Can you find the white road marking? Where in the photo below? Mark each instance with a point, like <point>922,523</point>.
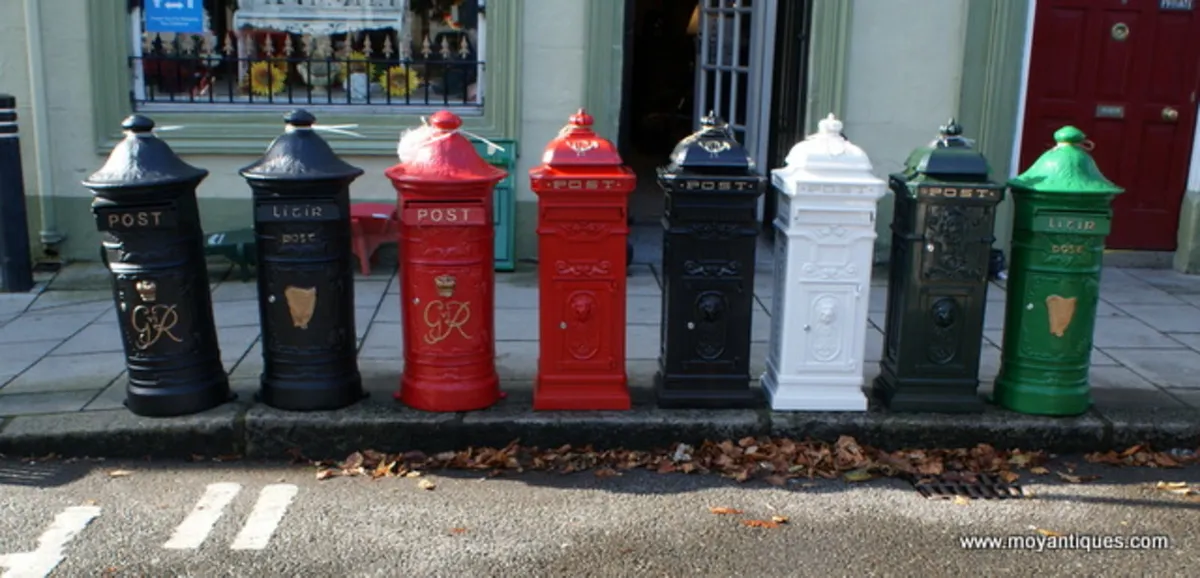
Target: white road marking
<point>194,529</point>
<point>272,504</point>
<point>49,553</point>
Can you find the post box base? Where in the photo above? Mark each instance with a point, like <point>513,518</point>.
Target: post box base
<point>705,392</point>
<point>443,396</point>
<point>1057,400</point>
<point>581,394</point>
<point>177,401</point>
<point>808,393</point>
<point>959,395</point>
<point>294,395</point>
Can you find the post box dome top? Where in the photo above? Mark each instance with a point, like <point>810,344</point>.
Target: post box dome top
<point>827,153</point>
<point>142,160</point>
<point>711,147</point>
<point>300,154</point>
<point>950,157</point>
<point>578,145</point>
<point>438,153</point>
<point>1066,168</point>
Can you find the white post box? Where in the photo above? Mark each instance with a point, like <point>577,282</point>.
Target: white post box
<point>824,252</point>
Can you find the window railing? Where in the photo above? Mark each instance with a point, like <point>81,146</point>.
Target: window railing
<point>286,69</point>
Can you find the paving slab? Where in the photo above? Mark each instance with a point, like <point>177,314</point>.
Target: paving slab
<point>39,403</point>
<point>1114,333</point>
<point>236,313</point>
<point>1181,318</point>
<point>1166,368</point>
<point>43,326</point>
<point>86,371</point>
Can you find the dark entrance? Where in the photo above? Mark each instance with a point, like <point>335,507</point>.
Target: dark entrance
<point>656,111</point>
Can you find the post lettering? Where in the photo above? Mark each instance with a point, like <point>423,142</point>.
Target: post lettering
<point>290,212</point>
<point>444,215</point>
<point>1068,249</point>
<point>135,219</point>
<point>297,238</point>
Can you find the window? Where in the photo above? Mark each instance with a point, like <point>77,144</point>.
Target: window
<point>343,55</point>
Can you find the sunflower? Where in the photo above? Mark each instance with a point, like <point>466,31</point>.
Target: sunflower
<point>266,78</point>
<point>400,80</point>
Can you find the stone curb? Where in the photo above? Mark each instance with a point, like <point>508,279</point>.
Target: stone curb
<point>259,432</point>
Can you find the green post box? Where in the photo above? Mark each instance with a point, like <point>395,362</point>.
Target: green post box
<point>1063,214</point>
<point>942,234</point>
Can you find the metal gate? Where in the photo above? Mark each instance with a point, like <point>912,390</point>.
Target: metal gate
<point>735,53</point>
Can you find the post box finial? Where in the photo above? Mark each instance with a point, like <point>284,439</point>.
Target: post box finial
<point>951,128</point>
<point>830,125</point>
<point>581,118</point>
<point>445,120</point>
<point>300,118</point>
<point>1069,135</point>
<point>138,124</point>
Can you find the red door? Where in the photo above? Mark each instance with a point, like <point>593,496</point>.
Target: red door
<point>1125,72</point>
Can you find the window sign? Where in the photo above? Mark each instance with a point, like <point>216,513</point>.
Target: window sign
<point>1180,5</point>
<point>179,16</point>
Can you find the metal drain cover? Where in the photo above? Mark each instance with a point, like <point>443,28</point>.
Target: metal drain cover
<point>984,487</point>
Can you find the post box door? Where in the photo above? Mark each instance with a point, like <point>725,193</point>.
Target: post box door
<point>583,319</point>
<point>826,340</point>
<point>957,243</point>
<point>1059,316</point>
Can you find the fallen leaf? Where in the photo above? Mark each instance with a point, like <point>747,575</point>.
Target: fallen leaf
<point>1048,533</point>
<point>426,484</point>
<point>1131,451</point>
<point>1073,479</point>
<point>779,519</point>
<point>119,473</point>
<point>777,481</point>
<point>760,523</point>
<point>89,502</point>
<point>859,475</point>
<point>1009,477</point>
<point>1180,488</point>
<point>724,510</point>
<point>458,530</point>
<point>326,473</point>
<point>607,473</point>
<point>1039,471</point>
<point>413,474</point>
<point>960,500</point>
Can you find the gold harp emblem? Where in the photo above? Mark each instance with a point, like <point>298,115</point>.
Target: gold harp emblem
<point>1061,310</point>
<point>301,302</point>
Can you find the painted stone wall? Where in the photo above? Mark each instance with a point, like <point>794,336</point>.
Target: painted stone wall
<point>903,75</point>
<point>553,69</point>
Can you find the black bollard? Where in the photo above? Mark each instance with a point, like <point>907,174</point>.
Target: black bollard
<point>16,269</point>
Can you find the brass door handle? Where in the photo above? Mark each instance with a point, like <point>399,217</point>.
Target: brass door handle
<point>1169,114</point>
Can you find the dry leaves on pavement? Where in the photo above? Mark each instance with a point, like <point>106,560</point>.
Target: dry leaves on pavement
<point>775,461</point>
<point>724,511</point>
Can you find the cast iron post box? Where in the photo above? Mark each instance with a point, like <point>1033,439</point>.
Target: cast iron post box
<point>145,207</point>
<point>583,194</point>
<point>710,230</point>
<point>937,290</point>
<point>1063,214</point>
<point>824,249</point>
<point>306,277</point>
<point>447,296</point>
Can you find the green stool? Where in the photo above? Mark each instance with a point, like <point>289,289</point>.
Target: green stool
<point>236,245</point>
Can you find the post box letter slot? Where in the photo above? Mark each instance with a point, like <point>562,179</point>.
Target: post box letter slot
<point>137,218</point>
<point>1073,223</point>
<point>444,214</point>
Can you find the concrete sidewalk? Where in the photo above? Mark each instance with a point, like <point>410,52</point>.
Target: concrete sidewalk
<point>62,376</point>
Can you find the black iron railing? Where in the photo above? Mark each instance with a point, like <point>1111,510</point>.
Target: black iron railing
<point>179,73</point>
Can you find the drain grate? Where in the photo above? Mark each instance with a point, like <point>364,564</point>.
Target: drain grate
<point>984,487</point>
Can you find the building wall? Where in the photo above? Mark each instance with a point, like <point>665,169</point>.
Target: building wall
<point>14,80</point>
<point>903,76</point>
<point>553,70</point>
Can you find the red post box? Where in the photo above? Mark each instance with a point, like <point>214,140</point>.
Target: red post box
<point>583,193</point>
<point>444,190</point>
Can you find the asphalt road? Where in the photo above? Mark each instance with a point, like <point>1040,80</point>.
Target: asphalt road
<point>77,519</point>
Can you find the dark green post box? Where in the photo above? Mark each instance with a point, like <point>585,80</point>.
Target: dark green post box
<point>710,229</point>
<point>937,291</point>
<point>1063,214</point>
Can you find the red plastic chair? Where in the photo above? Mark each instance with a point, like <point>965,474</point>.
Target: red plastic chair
<point>372,225</point>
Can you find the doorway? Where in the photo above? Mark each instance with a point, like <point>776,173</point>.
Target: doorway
<point>1125,72</point>
<point>656,112</point>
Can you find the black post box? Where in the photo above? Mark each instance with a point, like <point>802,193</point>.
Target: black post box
<point>145,207</point>
<point>305,271</point>
<point>710,232</point>
<point>941,241</point>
